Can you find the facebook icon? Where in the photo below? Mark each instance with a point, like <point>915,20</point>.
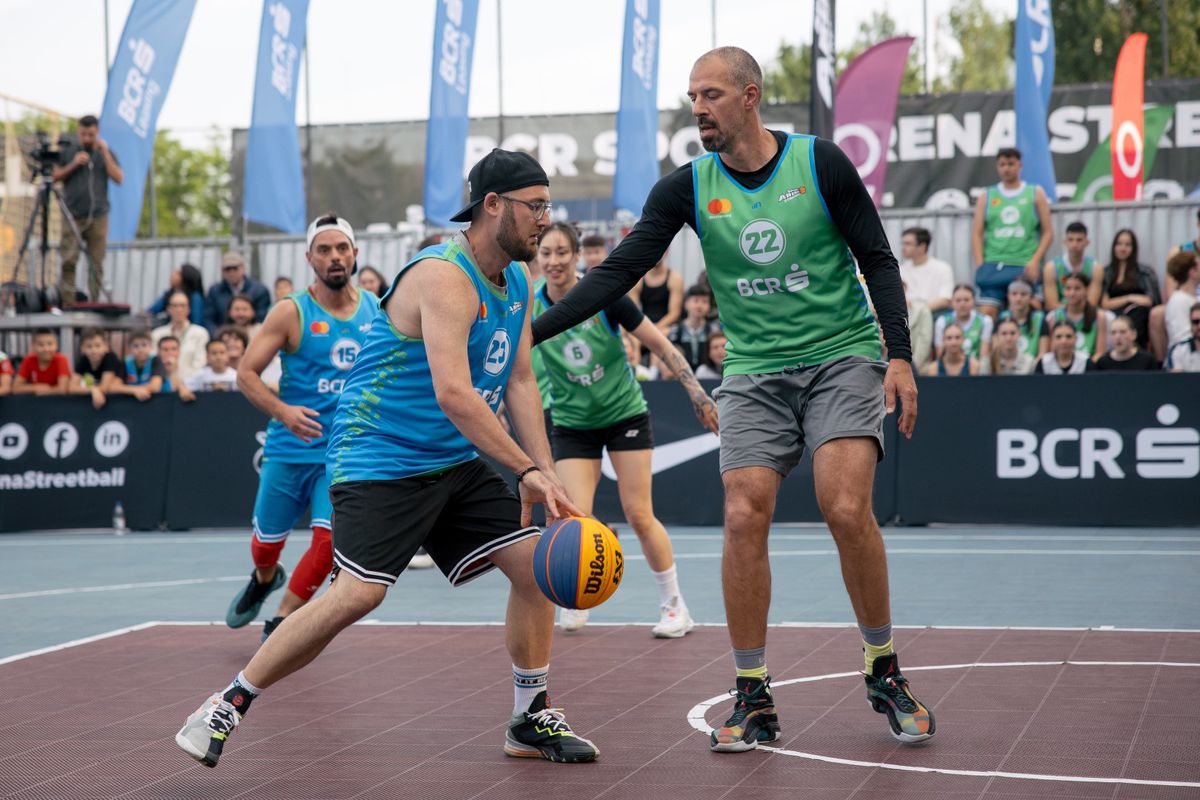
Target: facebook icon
<point>60,440</point>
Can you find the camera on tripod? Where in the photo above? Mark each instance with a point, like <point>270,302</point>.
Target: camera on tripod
<point>45,153</point>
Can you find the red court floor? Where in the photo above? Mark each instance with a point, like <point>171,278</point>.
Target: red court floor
<point>418,712</point>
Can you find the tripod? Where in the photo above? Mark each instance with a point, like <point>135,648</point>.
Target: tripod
<point>41,209</point>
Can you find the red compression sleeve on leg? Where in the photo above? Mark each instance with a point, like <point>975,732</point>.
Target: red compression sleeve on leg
<point>314,566</point>
<point>265,554</point>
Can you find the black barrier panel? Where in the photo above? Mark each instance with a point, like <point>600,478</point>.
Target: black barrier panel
<point>1100,449</point>
<point>216,450</point>
<point>687,479</point>
<point>63,464</point>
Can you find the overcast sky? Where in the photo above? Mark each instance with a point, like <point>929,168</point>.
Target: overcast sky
<point>370,59</point>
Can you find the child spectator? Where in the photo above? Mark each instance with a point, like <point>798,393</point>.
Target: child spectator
<point>45,370</point>
<point>1007,356</point>
<point>97,370</point>
<point>595,249</point>
<point>192,337</point>
<point>954,360</point>
<point>1073,261</point>
<point>1063,358</point>
<point>241,315</point>
<point>713,367</point>
<point>173,381</point>
<point>1090,322</point>
<point>1125,354</point>
<point>142,369</point>
<point>236,341</point>
<point>1184,269</point>
<point>6,374</point>
<point>217,376</point>
<point>690,335</point>
<point>1130,288</point>
<point>1031,322</point>
<point>1184,356</point>
<point>283,287</point>
<point>976,328</point>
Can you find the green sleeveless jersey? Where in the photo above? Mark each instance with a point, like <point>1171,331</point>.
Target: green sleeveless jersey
<point>1011,229</point>
<point>535,358</point>
<point>1062,269</point>
<point>1031,331</point>
<point>1084,342</point>
<point>972,334</point>
<point>786,288</point>
<point>587,373</point>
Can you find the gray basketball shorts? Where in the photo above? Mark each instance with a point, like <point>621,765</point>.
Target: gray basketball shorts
<point>767,420</point>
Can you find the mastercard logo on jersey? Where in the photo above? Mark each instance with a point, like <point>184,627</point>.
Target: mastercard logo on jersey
<point>319,328</point>
<point>720,206</point>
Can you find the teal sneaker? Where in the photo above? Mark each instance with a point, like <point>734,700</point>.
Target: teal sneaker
<point>249,600</point>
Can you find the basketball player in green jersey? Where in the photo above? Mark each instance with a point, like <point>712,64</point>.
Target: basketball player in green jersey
<point>779,217</point>
<point>1073,261</point>
<point>1010,233</point>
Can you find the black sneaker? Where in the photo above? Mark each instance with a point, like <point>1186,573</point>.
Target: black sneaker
<point>889,694</point>
<point>249,600</point>
<point>754,719</point>
<point>270,625</point>
<point>543,732</point>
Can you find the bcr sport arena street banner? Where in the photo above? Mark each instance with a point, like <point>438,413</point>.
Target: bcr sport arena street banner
<point>1110,449</point>
<point>941,148</point>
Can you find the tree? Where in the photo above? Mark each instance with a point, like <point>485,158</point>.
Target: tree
<point>788,79</point>
<point>986,44</point>
<point>879,27</point>
<point>192,189</point>
<point>1091,57</point>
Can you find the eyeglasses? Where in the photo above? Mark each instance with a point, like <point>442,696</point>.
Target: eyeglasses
<point>1196,322</point>
<point>538,207</point>
<point>228,267</point>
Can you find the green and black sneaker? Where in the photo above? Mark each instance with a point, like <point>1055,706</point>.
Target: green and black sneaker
<point>543,732</point>
<point>754,719</point>
<point>249,601</point>
<point>888,691</point>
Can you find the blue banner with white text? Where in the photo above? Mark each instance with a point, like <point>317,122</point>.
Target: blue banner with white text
<point>137,87</point>
<point>274,175</point>
<point>1035,78</point>
<point>637,118</point>
<point>449,95</point>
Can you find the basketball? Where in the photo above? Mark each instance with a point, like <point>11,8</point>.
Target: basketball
<point>578,563</point>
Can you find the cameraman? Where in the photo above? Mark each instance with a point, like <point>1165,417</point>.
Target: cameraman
<point>84,168</point>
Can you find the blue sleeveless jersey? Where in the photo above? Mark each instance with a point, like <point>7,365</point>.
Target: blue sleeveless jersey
<point>315,372</point>
<point>388,423</point>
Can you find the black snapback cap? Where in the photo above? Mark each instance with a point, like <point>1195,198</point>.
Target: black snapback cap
<point>500,171</point>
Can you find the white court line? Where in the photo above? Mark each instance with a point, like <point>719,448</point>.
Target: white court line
<point>76,642</point>
<point>118,587</point>
<point>941,551</point>
<point>695,718</point>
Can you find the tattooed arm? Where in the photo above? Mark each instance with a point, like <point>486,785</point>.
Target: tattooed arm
<point>702,404</point>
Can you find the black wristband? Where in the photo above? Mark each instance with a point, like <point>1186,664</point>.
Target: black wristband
<point>521,475</point>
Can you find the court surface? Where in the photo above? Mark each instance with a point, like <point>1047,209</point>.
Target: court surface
<point>1059,662</point>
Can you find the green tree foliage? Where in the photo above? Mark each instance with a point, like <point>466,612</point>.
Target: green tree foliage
<point>985,42</point>
<point>882,26</point>
<point>1091,56</point>
<point>788,78</point>
<point>192,189</point>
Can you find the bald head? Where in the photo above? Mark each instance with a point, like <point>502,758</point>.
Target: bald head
<point>741,67</point>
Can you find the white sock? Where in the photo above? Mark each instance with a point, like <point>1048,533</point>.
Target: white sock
<point>668,586</point>
<point>527,683</point>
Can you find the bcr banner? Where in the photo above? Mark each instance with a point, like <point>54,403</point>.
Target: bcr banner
<point>449,97</point>
<point>637,118</point>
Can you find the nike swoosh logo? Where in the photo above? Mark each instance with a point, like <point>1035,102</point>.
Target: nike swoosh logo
<point>672,454</point>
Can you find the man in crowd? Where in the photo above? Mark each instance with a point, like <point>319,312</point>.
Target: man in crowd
<point>1010,233</point>
<point>1073,261</point>
<point>778,215</point>
<point>85,167</point>
<point>234,281</point>
<point>1184,356</point>
<point>690,334</point>
<point>926,279</point>
<point>45,370</point>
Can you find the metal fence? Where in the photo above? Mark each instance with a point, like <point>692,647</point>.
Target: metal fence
<point>139,271</point>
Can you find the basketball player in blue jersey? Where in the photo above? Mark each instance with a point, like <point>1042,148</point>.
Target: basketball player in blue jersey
<point>317,334</point>
<point>452,342</point>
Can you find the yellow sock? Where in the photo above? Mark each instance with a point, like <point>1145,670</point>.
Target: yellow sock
<point>758,673</point>
<point>872,652</point>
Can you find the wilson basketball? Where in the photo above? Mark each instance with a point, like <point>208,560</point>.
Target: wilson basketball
<point>578,563</point>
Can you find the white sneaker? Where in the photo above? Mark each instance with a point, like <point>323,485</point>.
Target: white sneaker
<point>204,734</point>
<point>674,622</point>
<point>421,560</point>
<point>572,619</point>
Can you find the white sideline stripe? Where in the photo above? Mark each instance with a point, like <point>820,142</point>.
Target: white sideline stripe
<point>940,551</point>
<point>76,642</point>
<point>695,718</point>
<point>117,587</point>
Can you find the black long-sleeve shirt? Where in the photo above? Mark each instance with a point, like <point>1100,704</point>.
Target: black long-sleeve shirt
<point>671,205</point>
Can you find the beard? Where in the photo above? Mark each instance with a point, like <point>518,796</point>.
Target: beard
<point>718,141</point>
<point>516,247</point>
<point>336,282</point>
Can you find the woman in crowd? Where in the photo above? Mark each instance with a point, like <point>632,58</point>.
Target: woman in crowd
<point>372,280</point>
<point>1125,354</point>
<point>1130,287</point>
<point>1007,356</point>
<point>184,278</point>
<point>954,360</point>
<point>598,405</point>
<point>1064,358</point>
<point>192,338</point>
<point>1090,322</point>
<point>660,294</point>
<point>1034,339</point>
<point>713,366</point>
<point>976,328</point>
<point>241,315</point>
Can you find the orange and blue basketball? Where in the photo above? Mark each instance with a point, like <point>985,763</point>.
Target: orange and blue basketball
<point>578,563</point>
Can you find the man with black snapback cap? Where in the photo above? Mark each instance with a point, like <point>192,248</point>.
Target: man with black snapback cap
<point>404,468</point>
